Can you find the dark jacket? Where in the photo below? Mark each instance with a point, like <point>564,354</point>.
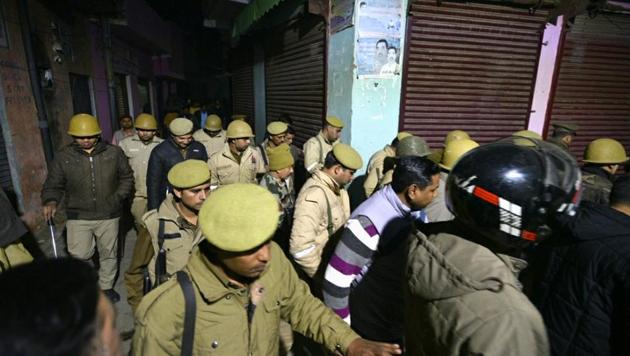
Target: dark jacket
<point>11,227</point>
<point>163,157</point>
<point>94,184</point>
<point>583,289</point>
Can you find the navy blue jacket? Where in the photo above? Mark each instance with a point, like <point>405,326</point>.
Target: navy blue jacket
<point>163,157</point>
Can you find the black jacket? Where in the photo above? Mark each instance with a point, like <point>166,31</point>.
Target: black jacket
<point>163,157</point>
<point>94,184</point>
<point>583,289</point>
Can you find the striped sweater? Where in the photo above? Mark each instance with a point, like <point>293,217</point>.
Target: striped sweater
<point>383,213</point>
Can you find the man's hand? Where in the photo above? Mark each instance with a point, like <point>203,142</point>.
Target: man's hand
<point>363,347</point>
<point>49,210</point>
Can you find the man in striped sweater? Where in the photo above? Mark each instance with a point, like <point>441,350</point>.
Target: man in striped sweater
<point>364,277</point>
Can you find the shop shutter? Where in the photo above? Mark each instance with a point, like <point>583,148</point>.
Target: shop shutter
<point>469,66</point>
<point>295,77</point>
<point>5,169</point>
<point>243,82</point>
<point>593,85</point>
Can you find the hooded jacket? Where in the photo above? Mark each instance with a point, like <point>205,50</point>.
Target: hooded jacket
<point>463,299</point>
<point>583,291</point>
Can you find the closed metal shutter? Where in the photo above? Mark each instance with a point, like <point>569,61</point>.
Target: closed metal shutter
<point>593,85</point>
<point>5,169</point>
<point>295,77</point>
<point>243,82</point>
<point>470,67</point>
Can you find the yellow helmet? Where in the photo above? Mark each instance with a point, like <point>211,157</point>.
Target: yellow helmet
<point>456,135</point>
<point>83,125</point>
<point>213,123</point>
<point>239,129</point>
<point>454,150</point>
<point>239,117</point>
<point>605,151</point>
<point>146,122</point>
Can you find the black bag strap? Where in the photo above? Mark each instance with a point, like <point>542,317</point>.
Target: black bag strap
<point>263,153</point>
<point>160,233</point>
<point>160,263</point>
<point>190,305</point>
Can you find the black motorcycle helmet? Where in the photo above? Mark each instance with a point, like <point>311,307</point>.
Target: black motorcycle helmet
<point>509,191</point>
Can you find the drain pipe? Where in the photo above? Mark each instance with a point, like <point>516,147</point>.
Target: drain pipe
<point>109,71</point>
<point>42,118</point>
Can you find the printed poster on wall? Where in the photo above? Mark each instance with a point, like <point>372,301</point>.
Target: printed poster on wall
<point>378,24</point>
<point>341,11</point>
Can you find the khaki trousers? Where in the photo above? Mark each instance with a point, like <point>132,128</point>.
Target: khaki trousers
<point>138,209</point>
<point>86,235</point>
<point>13,255</point>
<point>134,277</point>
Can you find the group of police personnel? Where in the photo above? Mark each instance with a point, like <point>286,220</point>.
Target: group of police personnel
<point>235,251</point>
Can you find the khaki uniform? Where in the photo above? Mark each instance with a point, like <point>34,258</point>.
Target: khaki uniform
<point>212,144</point>
<point>310,219</point>
<point>375,171</point>
<point>315,151</point>
<point>138,154</point>
<point>221,324</point>
<point>135,274</point>
<point>180,237</point>
<point>436,210</point>
<point>263,148</point>
<point>226,169</point>
<point>463,299</point>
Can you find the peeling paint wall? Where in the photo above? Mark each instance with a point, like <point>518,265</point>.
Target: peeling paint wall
<point>340,78</point>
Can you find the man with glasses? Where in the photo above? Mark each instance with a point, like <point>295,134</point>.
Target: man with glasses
<point>322,208</point>
<point>94,177</point>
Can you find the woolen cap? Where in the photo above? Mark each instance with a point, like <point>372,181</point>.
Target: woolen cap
<point>189,173</point>
<point>277,128</point>
<point>347,156</point>
<point>180,126</point>
<point>334,121</point>
<point>280,157</point>
<point>239,217</point>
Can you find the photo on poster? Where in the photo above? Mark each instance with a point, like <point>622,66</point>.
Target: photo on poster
<point>378,24</point>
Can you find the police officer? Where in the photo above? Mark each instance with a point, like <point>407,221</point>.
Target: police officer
<point>173,225</point>
<point>277,182</point>
<point>138,150</point>
<point>317,147</point>
<point>237,162</point>
<point>179,146</point>
<point>276,134</point>
<point>601,161</point>
<point>212,136</point>
<point>436,210</point>
<point>452,135</point>
<point>241,286</point>
<point>95,179</point>
<point>463,288</point>
<point>562,135</point>
<point>375,171</point>
<point>322,207</point>
<point>408,146</point>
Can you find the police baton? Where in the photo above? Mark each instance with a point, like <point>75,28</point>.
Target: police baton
<point>51,228</point>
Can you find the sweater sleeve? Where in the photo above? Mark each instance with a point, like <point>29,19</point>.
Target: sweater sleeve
<point>125,176</point>
<point>154,176</point>
<point>353,255</point>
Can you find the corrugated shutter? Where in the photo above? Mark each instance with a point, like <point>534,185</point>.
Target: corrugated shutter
<point>243,82</point>
<point>593,85</point>
<point>295,75</point>
<point>469,66</point>
<point>5,169</point>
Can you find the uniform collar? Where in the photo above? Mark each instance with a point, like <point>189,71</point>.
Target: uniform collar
<point>228,154</point>
<point>323,138</point>
<point>168,211</point>
<point>327,180</point>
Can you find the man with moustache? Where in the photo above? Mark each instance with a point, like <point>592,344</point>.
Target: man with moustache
<point>95,179</point>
